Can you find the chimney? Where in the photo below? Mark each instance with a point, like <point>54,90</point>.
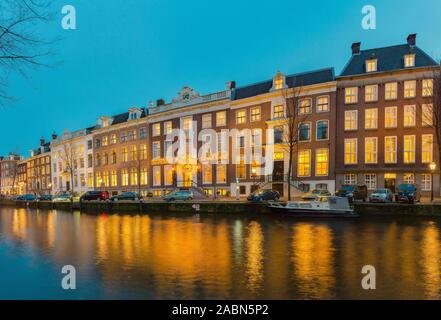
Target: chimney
<point>41,141</point>
<point>231,85</point>
<point>356,47</point>
<point>160,102</point>
<point>54,136</point>
<point>411,39</point>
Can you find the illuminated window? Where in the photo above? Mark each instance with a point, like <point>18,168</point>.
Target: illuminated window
<point>241,117</point>
<point>371,65</point>
<point>391,91</point>
<point>304,163</point>
<point>157,176</point>
<point>156,150</point>
<point>125,155</point>
<point>426,148</point>
<point>351,120</point>
<point>105,141</point>
<point>113,179</point>
<point>221,118</point>
<point>390,149</point>
<point>410,89</point>
<point>371,118</point>
<point>427,115</point>
<point>142,133</point>
<point>241,170</point>
<point>370,179</point>
<point>322,104</point>
<point>350,178</point>
<point>305,131</point>
<point>156,129</point>
<point>207,174</point>
<point>278,112</point>
<point>322,130</point>
<point>409,149</point>
<point>350,151</point>
<point>370,150</point>
<point>427,87</point>
<point>409,60</point>
<point>206,121</point>
<point>371,93</point>
<point>305,106</point>
<point>409,178</point>
<point>134,153</point>
<point>351,95</point>
<point>279,155</point>
<point>278,83</point>
<point>255,114</point>
<point>168,127</point>
<point>144,176</point>
<point>390,117</point>
<point>168,175</point>
<point>409,116</point>
<point>278,134</point>
<point>187,123</point>
<point>168,150</point>
<point>426,182</point>
<point>221,173</point>
<point>90,180</point>
<point>321,162</point>
<point>142,152</point>
<point>134,176</point>
<point>124,177</point>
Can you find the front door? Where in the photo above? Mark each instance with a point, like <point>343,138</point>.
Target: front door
<point>389,183</point>
<point>278,171</point>
<point>67,185</point>
<point>188,177</point>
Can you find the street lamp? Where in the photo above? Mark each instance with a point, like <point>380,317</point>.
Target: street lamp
<point>432,167</point>
<point>253,173</point>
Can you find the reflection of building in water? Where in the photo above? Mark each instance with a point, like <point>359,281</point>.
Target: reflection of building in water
<point>431,259</point>
<point>254,256</point>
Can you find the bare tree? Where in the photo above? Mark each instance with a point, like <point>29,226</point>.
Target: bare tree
<point>295,116</point>
<point>21,47</point>
<point>69,158</point>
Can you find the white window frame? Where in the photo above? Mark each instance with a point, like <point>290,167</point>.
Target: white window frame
<point>347,112</point>
<point>328,104</point>
<point>374,93</point>
<point>408,89</point>
<point>391,94</point>
<point>423,151</point>
<point>353,96</point>
<point>413,149</point>
<point>375,119</point>
<point>375,150</point>
<point>407,108</point>
<point>395,152</point>
<point>316,130</point>
<point>347,140</point>
<point>370,180</point>
<point>386,109</point>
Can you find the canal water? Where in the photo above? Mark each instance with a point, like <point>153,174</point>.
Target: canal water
<point>166,256</point>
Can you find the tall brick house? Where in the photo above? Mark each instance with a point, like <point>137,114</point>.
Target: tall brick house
<point>383,116</point>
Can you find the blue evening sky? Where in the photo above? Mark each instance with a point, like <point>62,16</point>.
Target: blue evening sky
<point>127,52</point>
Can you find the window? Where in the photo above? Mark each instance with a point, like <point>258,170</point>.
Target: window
<point>157,176</point>
<point>391,91</point>
<point>350,178</point>
<point>305,106</point>
<point>241,117</point>
<point>390,149</point>
<point>142,133</point>
<point>321,162</point>
<point>371,65</point>
<point>304,163</point>
<point>370,180</point>
<point>124,177</point>
<point>304,132</point>
<point>132,135</point>
<point>168,175</point>
<point>97,159</point>
<point>134,153</point>
<point>156,129</point>
<point>390,117</point>
<point>206,121</point>
<point>409,178</point>
<point>105,141</point>
<point>322,130</point>
<point>350,151</point>
<point>113,139</point>
<point>207,174</point>
<point>221,118</point>
<point>371,118</point>
<point>125,155</point>
<point>278,134</point>
<point>409,116</point>
<point>427,87</point>
<point>142,152</point>
<point>426,182</point>
<point>409,149</point>
<point>351,95</point>
<point>255,114</point>
<point>97,143</point>
<point>278,112</point>
<point>143,177</point>
<point>168,127</point>
<point>426,148</point>
<point>410,89</point>
<point>187,123</point>
<point>426,115</point>
<point>89,161</point>
<point>113,159</point>
<point>409,60</point>
<point>168,148</point>
<point>371,93</point>
<point>351,121</point>
<point>89,144</point>
<point>156,151</point>
<point>113,179</point>
<point>241,170</point>
<point>322,104</point>
<point>123,137</point>
<point>221,173</point>
<point>278,83</point>
<point>370,150</point>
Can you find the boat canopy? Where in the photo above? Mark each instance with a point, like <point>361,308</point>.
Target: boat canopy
<point>336,202</point>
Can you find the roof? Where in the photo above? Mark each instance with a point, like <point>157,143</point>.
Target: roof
<point>123,117</point>
<point>294,80</point>
<point>388,59</point>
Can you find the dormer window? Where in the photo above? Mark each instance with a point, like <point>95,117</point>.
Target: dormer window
<point>409,60</point>
<point>104,121</point>
<point>134,113</point>
<point>279,81</point>
<point>371,65</point>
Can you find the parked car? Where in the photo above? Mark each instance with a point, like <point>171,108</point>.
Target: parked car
<point>62,197</point>
<point>353,192</point>
<point>179,195</point>
<point>264,195</point>
<point>315,193</point>
<point>126,196</point>
<point>27,197</point>
<point>381,195</point>
<point>45,197</point>
<point>407,193</point>
<point>96,195</point>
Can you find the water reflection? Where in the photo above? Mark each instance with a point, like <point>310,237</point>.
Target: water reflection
<point>219,257</point>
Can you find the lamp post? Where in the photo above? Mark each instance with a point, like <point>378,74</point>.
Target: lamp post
<point>253,173</point>
<point>432,167</point>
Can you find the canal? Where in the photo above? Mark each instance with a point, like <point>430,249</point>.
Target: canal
<point>166,256</point>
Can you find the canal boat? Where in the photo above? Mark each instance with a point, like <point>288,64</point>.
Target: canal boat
<point>322,207</point>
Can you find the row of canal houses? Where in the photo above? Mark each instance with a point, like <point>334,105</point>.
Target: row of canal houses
<point>369,125</point>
